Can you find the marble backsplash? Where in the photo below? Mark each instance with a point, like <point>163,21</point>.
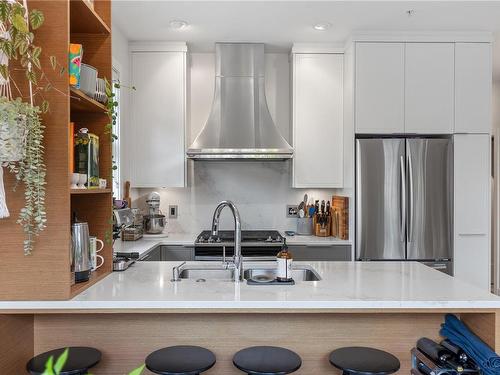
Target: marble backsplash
<point>260,190</point>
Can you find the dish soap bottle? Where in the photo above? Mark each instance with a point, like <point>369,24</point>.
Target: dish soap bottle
<point>284,259</point>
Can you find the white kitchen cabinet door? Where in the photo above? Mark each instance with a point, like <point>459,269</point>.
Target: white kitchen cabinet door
<point>429,88</point>
<point>473,80</point>
<point>158,119</point>
<point>318,120</point>
<point>472,208</point>
<point>379,88</point>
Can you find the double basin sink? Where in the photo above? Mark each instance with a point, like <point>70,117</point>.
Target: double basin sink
<point>263,273</point>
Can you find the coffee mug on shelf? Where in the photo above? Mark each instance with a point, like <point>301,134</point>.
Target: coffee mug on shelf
<point>93,253</point>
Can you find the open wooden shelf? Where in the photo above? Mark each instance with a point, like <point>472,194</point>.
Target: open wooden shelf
<point>83,103</point>
<point>84,19</point>
<point>96,276</point>
<point>90,191</point>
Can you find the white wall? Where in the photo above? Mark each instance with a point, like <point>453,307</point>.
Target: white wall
<point>261,190</point>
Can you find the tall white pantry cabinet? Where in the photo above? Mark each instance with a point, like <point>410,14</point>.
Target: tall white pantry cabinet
<point>158,114</point>
<point>437,85</point>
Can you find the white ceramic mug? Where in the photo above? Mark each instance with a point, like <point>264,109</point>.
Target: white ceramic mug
<point>93,253</point>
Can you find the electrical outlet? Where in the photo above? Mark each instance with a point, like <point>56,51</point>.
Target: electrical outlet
<point>172,212</point>
<point>292,210</point>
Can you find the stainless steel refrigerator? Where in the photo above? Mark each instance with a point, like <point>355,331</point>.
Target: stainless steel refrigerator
<point>404,200</point>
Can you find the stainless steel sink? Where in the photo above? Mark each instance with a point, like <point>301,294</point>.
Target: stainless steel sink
<point>203,274</point>
<point>299,273</point>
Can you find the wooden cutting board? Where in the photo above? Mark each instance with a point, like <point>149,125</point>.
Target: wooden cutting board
<point>340,215</point>
<point>126,197</point>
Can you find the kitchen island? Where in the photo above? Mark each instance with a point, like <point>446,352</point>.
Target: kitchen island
<point>388,305</point>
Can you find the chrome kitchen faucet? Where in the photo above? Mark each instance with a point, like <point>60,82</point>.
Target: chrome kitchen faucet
<point>237,259</point>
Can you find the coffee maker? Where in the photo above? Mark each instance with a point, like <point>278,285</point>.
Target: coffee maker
<point>80,252</point>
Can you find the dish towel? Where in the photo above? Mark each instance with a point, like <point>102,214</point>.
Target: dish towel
<point>458,333</point>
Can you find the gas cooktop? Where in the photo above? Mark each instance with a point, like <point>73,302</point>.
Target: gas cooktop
<point>247,236</point>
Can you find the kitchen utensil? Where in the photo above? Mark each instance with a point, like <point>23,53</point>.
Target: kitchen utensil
<point>121,263</point>
<point>305,199</point>
<point>93,252</point>
<point>88,79</point>
<point>126,197</point>
<point>312,211</point>
<point>80,242</point>
<point>305,226</point>
<point>100,91</point>
<point>154,224</point>
<point>301,213</point>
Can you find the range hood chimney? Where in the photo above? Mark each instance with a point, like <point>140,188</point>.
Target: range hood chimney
<point>240,125</point>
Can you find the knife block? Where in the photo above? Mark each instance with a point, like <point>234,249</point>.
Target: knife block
<point>322,230</point>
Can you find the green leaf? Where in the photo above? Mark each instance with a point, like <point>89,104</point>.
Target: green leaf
<point>4,11</point>
<point>35,61</point>
<point>45,106</point>
<point>53,62</point>
<point>4,71</point>
<point>137,371</point>
<point>61,361</point>
<point>36,52</point>
<point>19,23</point>
<point>31,76</point>
<point>36,18</point>
<point>49,366</point>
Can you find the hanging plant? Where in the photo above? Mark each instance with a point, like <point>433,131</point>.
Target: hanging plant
<point>21,128</point>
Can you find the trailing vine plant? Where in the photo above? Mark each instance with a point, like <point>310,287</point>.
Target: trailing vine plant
<point>112,110</point>
<point>21,128</point>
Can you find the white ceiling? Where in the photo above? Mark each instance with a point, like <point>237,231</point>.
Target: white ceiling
<point>279,23</point>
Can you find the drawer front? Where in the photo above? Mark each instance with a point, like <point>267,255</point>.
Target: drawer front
<point>321,253</point>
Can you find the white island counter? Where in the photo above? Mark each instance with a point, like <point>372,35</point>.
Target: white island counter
<point>127,315</point>
<point>147,287</point>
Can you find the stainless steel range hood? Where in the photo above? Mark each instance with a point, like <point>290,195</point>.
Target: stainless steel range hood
<point>240,125</point>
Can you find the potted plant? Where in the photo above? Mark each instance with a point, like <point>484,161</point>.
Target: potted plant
<point>21,128</point>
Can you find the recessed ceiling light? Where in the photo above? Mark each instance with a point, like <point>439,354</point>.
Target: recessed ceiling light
<point>178,24</point>
<point>322,26</point>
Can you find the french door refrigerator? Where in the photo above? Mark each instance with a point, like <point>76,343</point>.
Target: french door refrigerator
<point>404,200</point>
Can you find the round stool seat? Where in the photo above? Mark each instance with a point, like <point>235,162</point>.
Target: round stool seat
<point>180,360</point>
<point>267,360</point>
<point>364,361</point>
<point>80,359</point>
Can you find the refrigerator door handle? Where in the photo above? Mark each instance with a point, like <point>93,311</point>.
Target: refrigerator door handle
<point>410,193</point>
<point>403,198</point>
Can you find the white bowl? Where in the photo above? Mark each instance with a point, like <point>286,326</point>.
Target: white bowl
<point>82,181</point>
<point>75,177</point>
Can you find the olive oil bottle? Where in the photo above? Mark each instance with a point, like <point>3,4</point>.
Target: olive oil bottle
<point>284,259</point>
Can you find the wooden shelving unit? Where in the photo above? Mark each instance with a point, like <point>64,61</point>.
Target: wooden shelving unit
<point>84,19</point>
<point>46,274</point>
<point>82,103</point>
<point>91,28</point>
<point>91,191</point>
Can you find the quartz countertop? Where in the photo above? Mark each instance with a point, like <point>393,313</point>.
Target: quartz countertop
<point>144,245</point>
<point>359,286</point>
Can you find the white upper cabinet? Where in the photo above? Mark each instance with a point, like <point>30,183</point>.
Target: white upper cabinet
<point>429,88</point>
<point>379,88</point>
<point>473,80</point>
<point>317,120</point>
<point>158,118</point>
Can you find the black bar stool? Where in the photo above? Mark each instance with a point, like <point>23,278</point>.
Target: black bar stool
<point>180,360</point>
<point>80,360</point>
<point>267,360</point>
<point>364,361</point>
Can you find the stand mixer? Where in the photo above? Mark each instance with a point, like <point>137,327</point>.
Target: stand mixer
<point>154,221</point>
